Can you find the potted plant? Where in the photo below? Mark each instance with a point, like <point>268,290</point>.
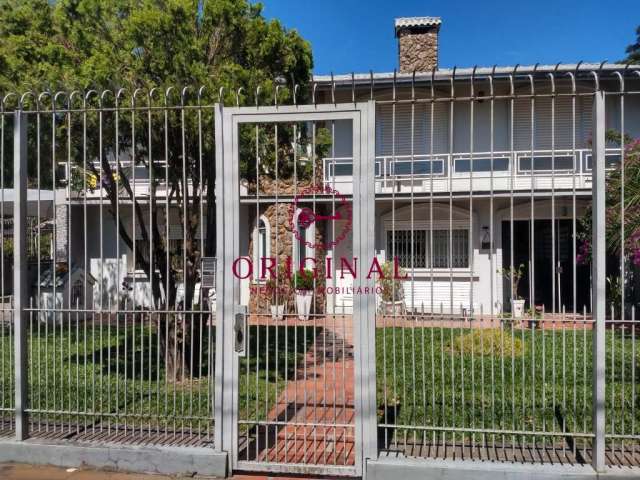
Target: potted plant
<point>302,283</point>
<point>514,275</point>
<point>391,291</point>
<point>535,315</point>
<point>276,288</point>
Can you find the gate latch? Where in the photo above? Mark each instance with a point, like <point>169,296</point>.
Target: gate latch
<point>240,330</point>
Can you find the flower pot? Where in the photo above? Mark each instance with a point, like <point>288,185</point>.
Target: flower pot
<point>390,308</point>
<point>277,312</point>
<point>303,303</point>
<point>517,308</point>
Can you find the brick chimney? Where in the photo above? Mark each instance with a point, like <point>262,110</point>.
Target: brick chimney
<point>417,43</point>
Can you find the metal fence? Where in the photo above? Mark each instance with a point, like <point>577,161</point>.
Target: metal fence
<point>472,238</point>
<point>115,318</point>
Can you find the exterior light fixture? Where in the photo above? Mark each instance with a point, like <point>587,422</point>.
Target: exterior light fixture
<point>485,239</point>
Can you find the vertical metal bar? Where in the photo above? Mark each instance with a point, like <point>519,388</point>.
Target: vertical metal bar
<point>364,321</point>
<point>599,273</point>
<point>20,272</point>
<point>220,434</point>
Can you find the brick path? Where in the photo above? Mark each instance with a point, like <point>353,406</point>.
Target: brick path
<point>315,412</point>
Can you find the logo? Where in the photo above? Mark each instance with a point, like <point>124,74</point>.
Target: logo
<point>306,216</point>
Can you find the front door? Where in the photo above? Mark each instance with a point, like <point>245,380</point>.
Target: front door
<point>296,190</point>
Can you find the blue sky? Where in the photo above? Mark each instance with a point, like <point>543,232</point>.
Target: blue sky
<point>357,35</point>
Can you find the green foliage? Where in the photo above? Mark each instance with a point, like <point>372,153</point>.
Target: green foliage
<point>88,368</point>
<point>513,275</point>
<point>295,156</point>
<point>614,295</point>
<point>108,44</point>
<point>614,199</point>
<point>390,288</point>
<point>302,280</point>
<point>633,50</point>
<point>439,388</point>
<point>7,246</point>
<point>487,342</point>
<point>98,44</point>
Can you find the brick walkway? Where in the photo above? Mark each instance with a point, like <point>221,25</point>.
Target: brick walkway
<point>313,420</point>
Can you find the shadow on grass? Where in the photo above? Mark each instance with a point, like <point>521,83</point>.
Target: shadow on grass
<point>136,353</point>
<point>277,349</point>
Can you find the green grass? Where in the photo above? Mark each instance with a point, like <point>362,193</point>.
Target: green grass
<point>428,377</point>
<point>437,377</point>
<point>116,376</point>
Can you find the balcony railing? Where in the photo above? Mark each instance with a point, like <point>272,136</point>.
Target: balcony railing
<point>501,166</point>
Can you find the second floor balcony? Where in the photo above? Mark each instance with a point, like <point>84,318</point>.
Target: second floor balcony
<point>520,172</point>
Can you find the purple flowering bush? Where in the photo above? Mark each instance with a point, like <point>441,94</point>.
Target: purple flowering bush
<point>618,183</point>
<point>622,221</point>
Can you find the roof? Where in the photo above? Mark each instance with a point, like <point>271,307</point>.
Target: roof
<point>409,22</point>
<point>478,72</point>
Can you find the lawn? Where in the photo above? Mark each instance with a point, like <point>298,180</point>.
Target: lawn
<point>92,375</point>
<point>506,379</point>
<point>499,379</point>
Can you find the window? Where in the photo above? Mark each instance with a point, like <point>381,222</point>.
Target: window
<point>611,160</point>
<point>261,244</point>
<point>262,238</point>
<point>544,163</point>
<point>463,165</point>
<point>418,167</point>
<point>416,252</point>
<point>339,169</point>
<point>345,169</point>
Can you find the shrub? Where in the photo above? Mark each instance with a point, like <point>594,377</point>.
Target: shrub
<point>302,280</point>
<point>488,342</point>
<point>390,288</point>
<point>278,287</point>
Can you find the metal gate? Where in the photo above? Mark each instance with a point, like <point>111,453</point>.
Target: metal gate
<point>139,306</point>
<point>298,326</point>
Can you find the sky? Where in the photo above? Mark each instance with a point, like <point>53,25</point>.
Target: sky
<point>358,35</point>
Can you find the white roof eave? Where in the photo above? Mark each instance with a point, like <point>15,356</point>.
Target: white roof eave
<point>447,73</point>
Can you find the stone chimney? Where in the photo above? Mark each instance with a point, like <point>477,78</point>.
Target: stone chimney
<point>417,43</point>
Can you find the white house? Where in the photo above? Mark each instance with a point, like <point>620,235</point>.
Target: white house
<point>476,169</point>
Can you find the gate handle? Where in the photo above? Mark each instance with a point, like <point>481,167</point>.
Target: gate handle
<point>239,333</point>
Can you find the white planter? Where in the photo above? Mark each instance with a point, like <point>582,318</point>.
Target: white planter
<point>390,308</point>
<point>517,308</point>
<point>277,312</point>
<point>303,303</point>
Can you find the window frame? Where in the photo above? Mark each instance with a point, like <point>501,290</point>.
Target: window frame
<point>257,245</point>
<point>427,243</point>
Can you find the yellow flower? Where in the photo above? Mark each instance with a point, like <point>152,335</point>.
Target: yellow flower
<point>92,181</point>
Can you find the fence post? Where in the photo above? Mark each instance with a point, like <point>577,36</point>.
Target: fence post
<point>20,271</point>
<point>599,274</point>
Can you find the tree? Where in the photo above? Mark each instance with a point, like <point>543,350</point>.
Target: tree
<point>98,44</point>
<point>633,50</point>
<point>622,193</point>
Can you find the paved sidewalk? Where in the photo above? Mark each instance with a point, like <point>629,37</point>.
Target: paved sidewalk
<point>16,471</point>
<point>13,471</point>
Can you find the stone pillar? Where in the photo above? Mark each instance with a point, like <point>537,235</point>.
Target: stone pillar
<point>62,234</point>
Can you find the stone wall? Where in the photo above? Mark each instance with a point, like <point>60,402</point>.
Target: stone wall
<point>279,217</point>
<point>62,234</point>
<point>418,50</point>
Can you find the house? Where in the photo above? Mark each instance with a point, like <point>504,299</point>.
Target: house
<point>478,171</point>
